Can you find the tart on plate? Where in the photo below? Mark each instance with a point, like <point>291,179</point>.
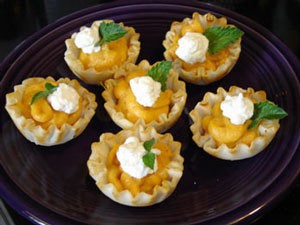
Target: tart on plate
<point>95,53</point>
<point>236,124</point>
<point>151,93</point>
<point>49,112</point>
<point>203,48</point>
<point>136,167</point>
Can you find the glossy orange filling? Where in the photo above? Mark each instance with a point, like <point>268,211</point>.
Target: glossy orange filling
<point>123,181</point>
<point>127,104</point>
<point>111,54</point>
<point>42,112</point>
<point>224,132</point>
<point>212,62</point>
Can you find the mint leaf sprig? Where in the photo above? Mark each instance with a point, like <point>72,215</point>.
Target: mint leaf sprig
<point>266,110</point>
<point>160,72</point>
<point>149,157</point>
<point>110,32</point>
<point>50,88</point>
<point>220,37</point>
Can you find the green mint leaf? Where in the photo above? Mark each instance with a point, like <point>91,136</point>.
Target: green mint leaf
<point>160,72</point>
<point>266,110</point>
<point>254,123</point>
<point>38,95</point>
<point>220,37</point>
<point>110,32</point>
<point>50,88</point>
<point>149,159</point>
<point>149,144</point>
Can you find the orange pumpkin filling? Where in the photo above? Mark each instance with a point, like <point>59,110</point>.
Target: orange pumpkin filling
<point>224,132</point>
<point>127,104</point>
<point>111,54</point>
<point>42,112</point>
<point>212,62</point>
<point>123,181</point>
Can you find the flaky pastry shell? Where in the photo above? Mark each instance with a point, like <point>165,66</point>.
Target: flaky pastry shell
<point>91,75</point>
<point>98,169</point>
<point>201,76</point>
<point>52,135</point>
<point>267,128</point>
<point>165,121</point>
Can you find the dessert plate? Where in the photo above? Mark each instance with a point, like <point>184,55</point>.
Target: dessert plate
<point>51,185</point>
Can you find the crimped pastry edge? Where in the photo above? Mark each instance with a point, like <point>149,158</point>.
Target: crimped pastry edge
<point>98,170</point>
<point>267,128</point>
<point>52,135</point>
<point>165,121</point>
<point>202,76</point>
<point>90,75</point>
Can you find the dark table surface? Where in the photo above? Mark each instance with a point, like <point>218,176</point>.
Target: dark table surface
<point>21,18</point>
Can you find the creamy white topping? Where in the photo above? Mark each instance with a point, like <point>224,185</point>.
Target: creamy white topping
<point>145,89</point>
<point>237,108</point>
<point>65,98</point>
<point>192,47</point>
<point>86,40</point>
<point>130,155</point>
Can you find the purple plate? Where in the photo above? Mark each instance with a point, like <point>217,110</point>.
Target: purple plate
<point>51,185</point>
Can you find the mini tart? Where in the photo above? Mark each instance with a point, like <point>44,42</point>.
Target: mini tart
<point>265,131</point>
<point>49,134</point>
<point>216,65</point>
<point>98,166</point>
<point>164,121</point>
<point>91,75</point>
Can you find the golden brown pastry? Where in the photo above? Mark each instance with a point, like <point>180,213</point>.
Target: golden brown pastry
<point>95,57</point>
<point>30,106</point>
<point>236,124</point>
<point>118,165</point>
<point>125,108</point>
<point>194,47</point>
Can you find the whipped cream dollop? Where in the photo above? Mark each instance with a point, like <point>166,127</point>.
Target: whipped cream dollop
<point>145,89</point>
<point>86,40</point>
<point>237,108</point>
<point>130,155</point>
<point>65,99</point>
<point>192,47</point>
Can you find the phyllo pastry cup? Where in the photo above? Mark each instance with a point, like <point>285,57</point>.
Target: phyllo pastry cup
<point>164,120</point>
<point>61,127</point>
<point>97,75</point>
<point>119,186</point>
<point>216,65</point>
<point>252,141</point>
